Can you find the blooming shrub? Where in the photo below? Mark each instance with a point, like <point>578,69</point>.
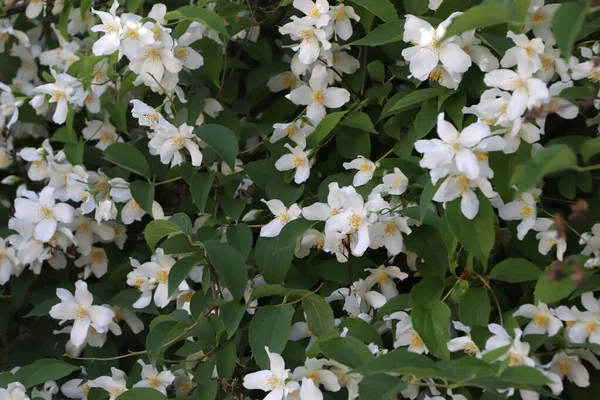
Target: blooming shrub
<point>296,199</point>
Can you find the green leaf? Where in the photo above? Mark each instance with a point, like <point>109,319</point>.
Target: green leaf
<point>426,197</point>
<point>362,330</point>
<point>270,327</point>
<point>481,16</point>
<point>200,185</point>
<point>525,376</point>
<point>426,119</point>
<point>415,7</point>
<point>205,391</point>
<point>158,229</point>
<point>324,127</point>
<point>359,120</point>
<point>202,15</point>
<point>42,371</point>
<point>381,386</point>
<point>431,324</point>
<point>141,393</point>
<point>554,158</point>
<point>226,357</point>
<point>477,235</point>
<point>231,316</point>
<point>590,148</point>
<point>274,255</point>
<point>132,5</point>
<point>143,194</point>
<point>421,241</point>
<point>319,315</point>
<point>179,271</point>
<point>348,351</point>
<point>384,9</point>
<point>222,140</point>
<point>127,156</point>
<point>389,32</point>
<point>240,238</point>
<point>427,292</point>
<point>230,266</point>
<point>159,335</point>
<point>74,152</point>
<point>401,361</point>
<point>475,307</point>
<point>566,24</point>
<point>413,99</point>
<point>515,270</point>
<point>549,291</point>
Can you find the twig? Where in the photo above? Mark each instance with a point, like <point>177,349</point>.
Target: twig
<point>487,285</point>
<point>251,148</point>
<point>385,155</point>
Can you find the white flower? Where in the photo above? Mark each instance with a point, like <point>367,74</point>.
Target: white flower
<point>43,212</point>
<point>312,39</point>
<point>321,211</point>
<point>153,379</point>
<point>148,116</point>
<point>102,131</point>
<point>114,385</point>
<point>96,262</point>
<point>523,208</point>
<point>549,237</point>
<point>9,107</point>
<point>189,57</point>
<point>539,18</point>
<point>517,130</point>
<point>111,26</point>
<point>296,131</point>
<point>435,4</point>
<point>314,370</point>
<point>526,91</point>
<point>407,336</point>
<point>388,232</point>
<point>455,148</point>
<point>543,320</point>
<point>587,323</point>
<point>384,277</point>
<point>154,275</point>
<point>297,159</point>
<point>75,388</point>
<point>480,55</point>
<point>395,183</point>
<point>564,108</point>
<point>517,352</point>
<point>366,169</point>
<point>316,96</point>
<point>283,81</point>
<point>272,380</point>
<point>525,55</point>
<point>155,59</point>
<point>167,143</point>
<point>570,366</point>
<point>8,262</point>
<point>340,17</point>
<point>14,391</point>
<point>429,49</point>
<point>311,238</point>
<point>459,185</point>
<point>356,218</point>
<point>315,11</point>
<point>552,64</point>
<point>80,309</point>
<point>591,241</point>
<point>463,343</point>
<point>66,89</point>
<point>282,215</point>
